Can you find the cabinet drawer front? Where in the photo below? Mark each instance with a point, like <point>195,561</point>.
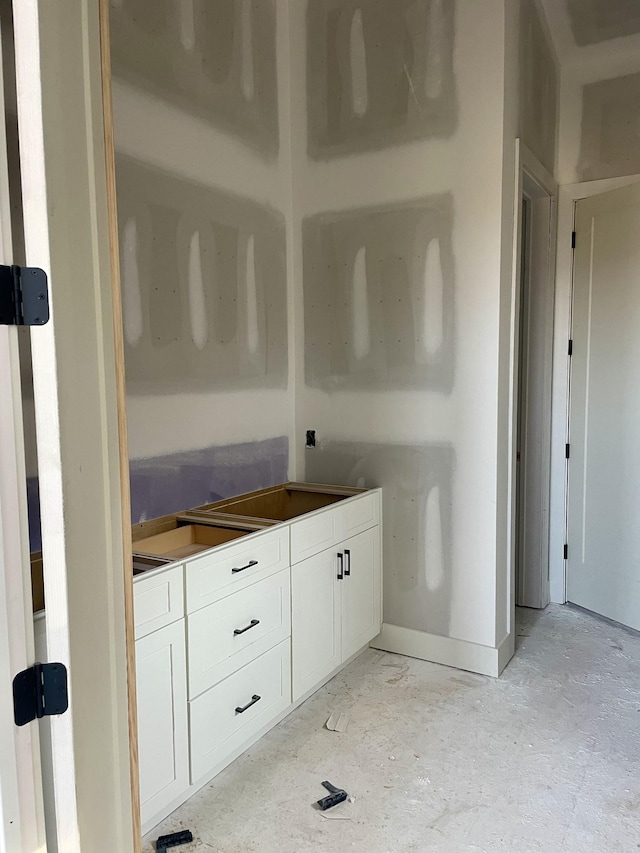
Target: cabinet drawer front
<point>217,725</point>
<point>232,632</point>
<point>162,719</point>
<point>228,569</point>
<point>309,536</point>
<point>158,601</point>
<point>359,514</point>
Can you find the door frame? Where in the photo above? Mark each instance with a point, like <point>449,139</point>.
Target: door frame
<point>526,164</point>
<point>22,824</point>
<point>568,195</point>
<point>68,199</point>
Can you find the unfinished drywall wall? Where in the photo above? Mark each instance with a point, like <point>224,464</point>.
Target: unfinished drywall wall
<point>378,73</point>
<point>417,511</point>
<point>217,59</point>
<point>609,144</point>
<point>379,294</point>
<point>204,285</point>
<point>402,258</point>
<point>203,225</point>
<point>594,21</point>
<point>161,485</point>
<point>539,86</point>
<point>600,93</point>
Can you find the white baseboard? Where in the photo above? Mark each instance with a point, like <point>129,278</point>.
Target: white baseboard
<point>460,654</point>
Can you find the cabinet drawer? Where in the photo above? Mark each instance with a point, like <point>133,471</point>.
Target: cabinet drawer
<point>234,567</point>
<point>230,633</point>
<point>218,725</point>
<point>358,514</point>
<point>158,600</point>
<point>309,536</point>
<point>327,528</point>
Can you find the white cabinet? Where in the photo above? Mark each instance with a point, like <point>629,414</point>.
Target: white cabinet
<point>229,568</point>
<point>316,620</point>
<point>361,591</point>
<point>233,630</point>
<point>163,743</point>
<point>229,714</point>
<point>336,607</point>
<point>158,601</point>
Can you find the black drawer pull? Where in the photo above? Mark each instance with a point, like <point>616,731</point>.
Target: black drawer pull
<point>251,625</point>
<point>347,568</point>
<point>242,568</point>
<point>340,567</point>
<point>255,698</point>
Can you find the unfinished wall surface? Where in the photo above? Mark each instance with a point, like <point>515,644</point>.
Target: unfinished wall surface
<point>539,86</point>
<point>379,287</point>
<point>417,512</point>
<point>203,181</point>
<point>192,478</point>
<point>378,73</point>
<point>383,214</point>
<point>204,285</point>
<point>610,133</point>
<point>595,21</point>
<point>399,249</point>
<point>217,59</point>
<point>600,95</point>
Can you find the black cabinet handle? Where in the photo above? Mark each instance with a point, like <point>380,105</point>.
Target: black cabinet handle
<point>251,625</point>
<point>347,568</point>
<point>255,698</point>
<point>242,568</point>
<point>340,567</point>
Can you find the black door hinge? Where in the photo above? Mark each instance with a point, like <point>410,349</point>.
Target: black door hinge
<point>566,551</point>
<point>567,451</point>
<point>573,239</point>
<point>40,691</point>
<point>570,347</point>
<point>24,297</point>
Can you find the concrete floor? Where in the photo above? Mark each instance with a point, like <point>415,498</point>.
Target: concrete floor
<point>546,758</point>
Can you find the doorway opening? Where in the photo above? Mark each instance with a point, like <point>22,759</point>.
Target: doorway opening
<point>534,331</point>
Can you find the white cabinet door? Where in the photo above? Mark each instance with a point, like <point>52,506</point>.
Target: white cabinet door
<point>361,591</point>
<point>315,629</point>
<point>162,720</point>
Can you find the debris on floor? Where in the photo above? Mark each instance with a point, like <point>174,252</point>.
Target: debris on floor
<point>174,839</point>
<point>338,721</point>
<point>336,795</point>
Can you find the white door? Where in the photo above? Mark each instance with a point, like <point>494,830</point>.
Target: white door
<point>603,567</point>
<point>360,591</point>
<point>21,809</point>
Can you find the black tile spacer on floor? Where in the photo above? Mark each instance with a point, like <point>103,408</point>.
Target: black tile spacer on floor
<point>175,839</point>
